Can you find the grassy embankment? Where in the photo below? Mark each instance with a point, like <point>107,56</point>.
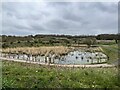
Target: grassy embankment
<point>24,75</point>
<point>111,51</point>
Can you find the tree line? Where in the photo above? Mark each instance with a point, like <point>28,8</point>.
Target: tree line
<point>29,37</point>
<point>67,40</point>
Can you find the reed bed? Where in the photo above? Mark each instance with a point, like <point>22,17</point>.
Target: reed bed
<point>43,50</point>
<point>96,49</point>
<point>58,50</point>
<point>91,49</point>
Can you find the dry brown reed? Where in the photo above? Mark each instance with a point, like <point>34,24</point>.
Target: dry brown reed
<point>59,50</point>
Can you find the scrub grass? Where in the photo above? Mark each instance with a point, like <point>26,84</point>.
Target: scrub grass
<point>24,75</point>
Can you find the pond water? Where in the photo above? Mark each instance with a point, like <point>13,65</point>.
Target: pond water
<point>78,57</point>
<point>75,57</point>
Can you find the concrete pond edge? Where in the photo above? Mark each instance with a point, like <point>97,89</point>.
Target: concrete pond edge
<point>60,65</point>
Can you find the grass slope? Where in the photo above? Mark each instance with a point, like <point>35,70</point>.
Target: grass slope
<point>22,75</point>
<point>111,51</point>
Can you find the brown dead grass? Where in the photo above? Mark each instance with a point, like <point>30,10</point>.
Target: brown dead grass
<point>39,50</point>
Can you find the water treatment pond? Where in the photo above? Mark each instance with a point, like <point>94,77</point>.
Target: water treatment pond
<point>75,57</point>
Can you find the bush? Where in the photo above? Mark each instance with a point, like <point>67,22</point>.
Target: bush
<point>90,41</point>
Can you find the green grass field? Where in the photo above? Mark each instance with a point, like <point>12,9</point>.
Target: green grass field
<point>22,75</point>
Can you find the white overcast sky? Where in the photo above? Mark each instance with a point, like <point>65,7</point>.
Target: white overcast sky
<point>73,18</point>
